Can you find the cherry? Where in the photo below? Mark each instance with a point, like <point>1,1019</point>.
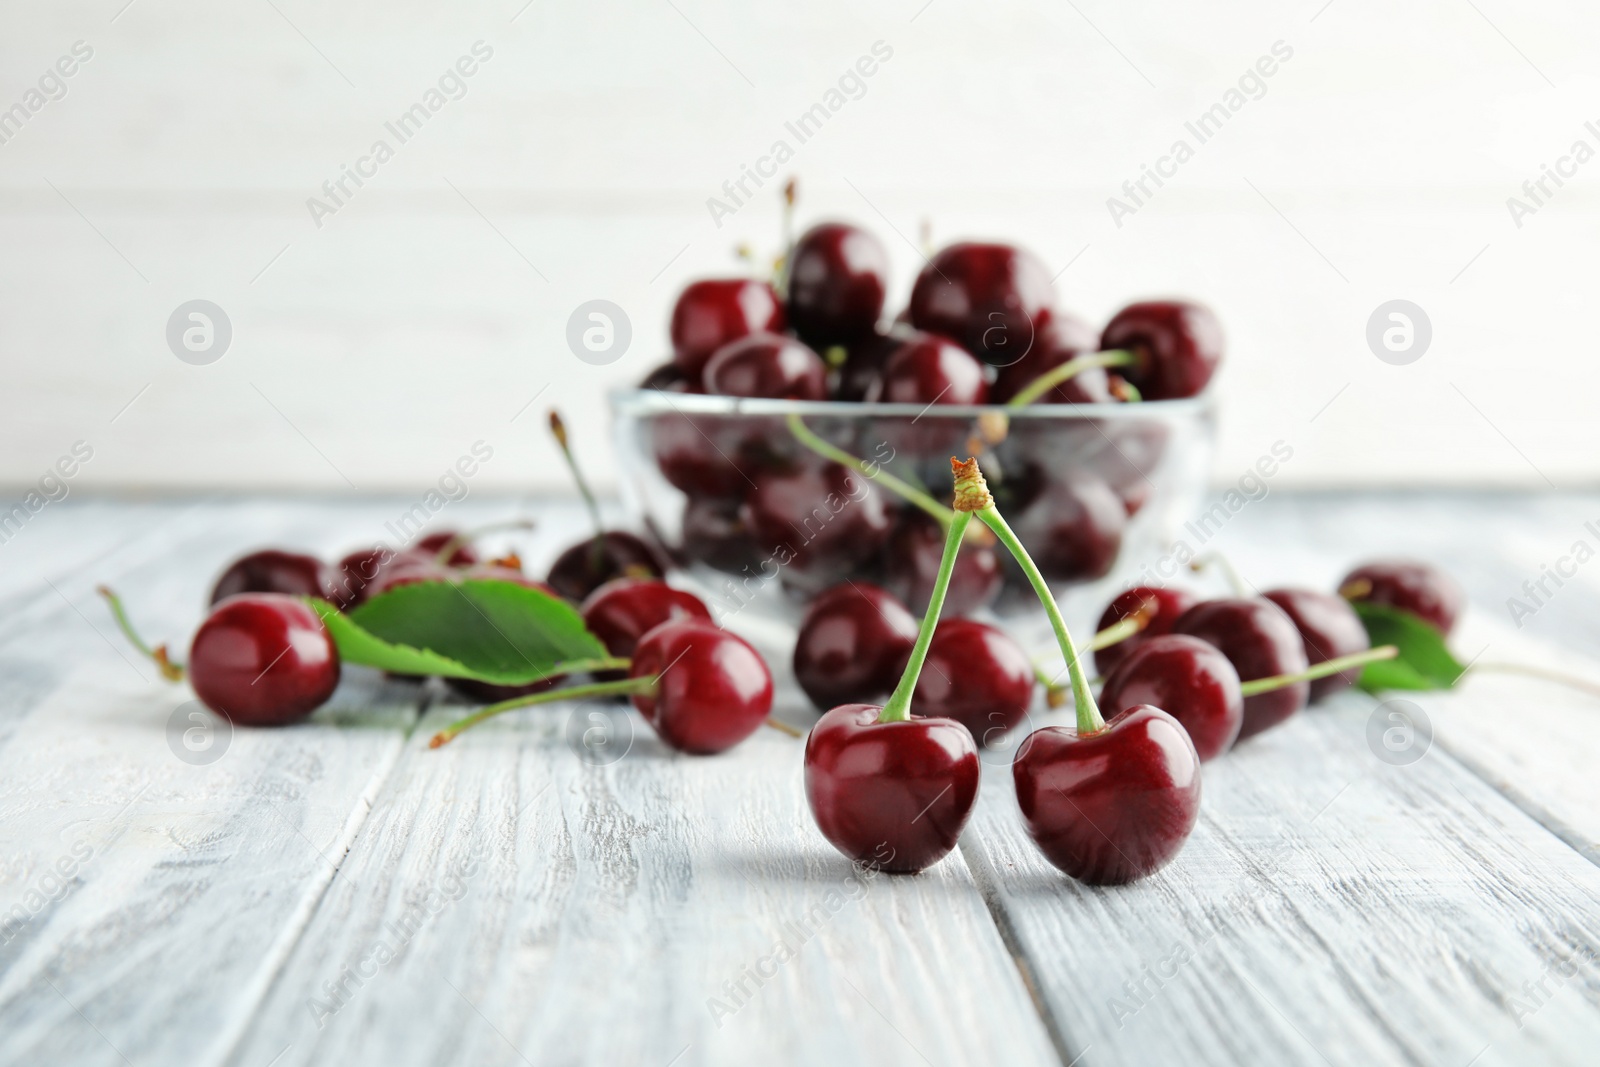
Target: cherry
<point>989,298</point>
<point>625,609</point>
<point>767,365</point>
<point>838,276</point>
<point>702,456</point>
<point>893,796</point>
<point>852,645</point>
<point>594,561</point>
<point>1189,679</point>
<point>911,563</point>
<point>1163,605</point>
<point>1114,805</point>
<point>1073,527</point>
<point>461,556</point>
<point>1329,628</point>
<point>357,571</point>
<point>976,675</point>
<point>1423,590</point>
<point>263,659</point>
<point>818,523</point>
<point>712,690</point>
<point>715,534</point>
<point>711,313</point>
<point>1260,641</point>
<point>272,571</point>
<point>1059,340</point>
<point>925,369</point>
<point>863,366</point>
<point>1176,346</point>
<point>671,378</point>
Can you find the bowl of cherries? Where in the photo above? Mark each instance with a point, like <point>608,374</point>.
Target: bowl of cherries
<point>791,441</point>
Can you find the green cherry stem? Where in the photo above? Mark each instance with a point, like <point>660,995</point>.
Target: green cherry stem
<point>898,709</point>
<point>172,672</point>
<point>558,430</point>
<point>1115,357</point>
<point>1054,694</point>
<point>1321,670</point>
<point>622,687</point>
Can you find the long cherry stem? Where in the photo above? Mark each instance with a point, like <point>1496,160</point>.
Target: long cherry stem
<point>172,672</point>
<point>558,430</point>
<point>898,709</point>
<point>1055,694</point>
<point>1571,681</point>
<point>622,687</point>
<point>1336,665</point>
<point>1114,357</point>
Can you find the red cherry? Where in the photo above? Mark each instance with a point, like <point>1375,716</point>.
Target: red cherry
<point>1420,588</point>
<point>1329,628</point>
<point>272,571</point>
<point>711,313</point>
<point>355,573</point>
<point>714,689</point>
<point>670,378</point>
<point>1115,805</point>
<point>702,455</point>
<point>1188,679</point>
<point>1177,344</point>
<point>581,569</point>
<point>818,523</point>
<point>625,609</point>
<point>1061,339</point>
<point>989,298</point>
<point>976,675</point>
<point>1073,527</point>
<point>462,556</point>
<point>838,276</point>
<point>715,534</point>
<point>852,645</point>
<point>911,563</point>
<point>1261,642</point>
<point>863,366</point>
<point>263,659</point>
<point>767,365</point>
<point>930,370</point>
<point>893,796</point>
<point>1166,604</point>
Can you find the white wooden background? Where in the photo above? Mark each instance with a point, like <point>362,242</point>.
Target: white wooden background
<point>1329,909</point>
<point>426,314</point>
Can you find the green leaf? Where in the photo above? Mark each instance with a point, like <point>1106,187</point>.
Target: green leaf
<point>494,631</point>
<point>1424,662</point>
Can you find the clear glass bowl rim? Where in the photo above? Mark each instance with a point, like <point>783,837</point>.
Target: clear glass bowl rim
<point>636,401</point>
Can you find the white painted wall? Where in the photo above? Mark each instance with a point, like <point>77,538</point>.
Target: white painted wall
<point>1376,165</point>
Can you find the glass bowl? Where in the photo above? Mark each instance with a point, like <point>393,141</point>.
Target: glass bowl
<point>760,522</point>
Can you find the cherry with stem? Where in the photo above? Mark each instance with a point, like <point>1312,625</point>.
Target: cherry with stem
<point>172,672</point>
<point>1047,381</point>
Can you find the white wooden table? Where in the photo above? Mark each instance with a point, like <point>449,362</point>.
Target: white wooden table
<point>337,893</point>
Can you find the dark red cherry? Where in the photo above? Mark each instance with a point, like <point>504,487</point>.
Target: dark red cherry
<point>863,365</point>
<point>1113,806</point>
<point>1187,678</point>
<point>702,454</point>
<point>767,365</point>
<point>1178,345</point>
<point>1073,527</point>
<point>462,556</point>
<point>1260,641</point>
<point>1329,628</point>
<point>272,571</point>
<point>978,676</point>
<point>408,568</point>
<point>585,567</point>
<point>263,659</point>
<point>892,796</point>
<point>989,298</point>
<point>925,369</point>
<point>625,609</point>
<point>711,313</point>
<point>1420,588</point>
<point>853,643</point>
<point>1059,340</point>
<point>714,689</point>
<point>714,533</point>
<point>355,573</point>
<point>1166,603</point>
<point>670,378</point>
<point>911,563</point>
<point>818,523</point>
<point>838,276</point>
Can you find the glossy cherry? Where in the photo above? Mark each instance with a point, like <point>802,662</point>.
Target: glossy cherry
<point>1059,340</point>
<point>273,571</point>
<point>1112,806</point>
<point>714,690</point>
<point>977,675</point>
<point>1410,585</point>
<point>1260,641</point>
<point>586,566</point>
<point>702,455</point>
<point>767,365</point>
<point>711,313</point>
<point>989,298</point>
<point>838,277</point>
<point>1073,527</point>
<point>1189,679</point>
<point>818,522</point>
<point>852,645</point>
<point>1329,628</point>
<point>1177,346</point>
<point>1164,603</point>
<point>864,360</point>
<point>911,563</point>
<point>925,369</point>
<point>625,609</point>
<point>892,796</point>
<point>355,573</point>
<point>263,659</point>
